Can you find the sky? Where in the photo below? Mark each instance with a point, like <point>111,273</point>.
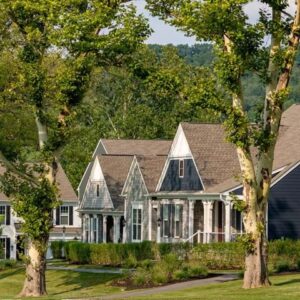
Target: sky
<point>165,34</point>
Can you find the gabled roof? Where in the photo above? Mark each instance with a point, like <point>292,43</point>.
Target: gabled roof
<point>215,158</point>
<point>66,191</point>
<point>115,169</point>
<point>151,168</point>
<point>287,149</point>
<point>136,147</point>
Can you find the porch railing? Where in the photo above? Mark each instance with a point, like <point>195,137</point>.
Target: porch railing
<point>210,237</point>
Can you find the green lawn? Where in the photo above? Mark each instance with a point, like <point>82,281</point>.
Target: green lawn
<point>68,284</point>
<point>285,287</point>
<point>60,284</point>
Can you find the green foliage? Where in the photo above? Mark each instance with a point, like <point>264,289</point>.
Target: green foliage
<point>108,254</point>
<point>57,249</point>
<point>7,264</point>
<point>282,266</point>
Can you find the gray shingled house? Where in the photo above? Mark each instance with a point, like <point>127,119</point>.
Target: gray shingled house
<point>181,191</point>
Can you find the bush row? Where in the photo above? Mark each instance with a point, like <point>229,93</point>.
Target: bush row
<point>213,256</point>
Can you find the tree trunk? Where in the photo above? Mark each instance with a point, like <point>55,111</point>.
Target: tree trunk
<point>256,261</point>
<point>35,281</point>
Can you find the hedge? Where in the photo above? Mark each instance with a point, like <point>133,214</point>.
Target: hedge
<point>57,249</point>
<point>213,256</point>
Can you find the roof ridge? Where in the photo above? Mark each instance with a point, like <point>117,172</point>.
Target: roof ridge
<point>152,140</point>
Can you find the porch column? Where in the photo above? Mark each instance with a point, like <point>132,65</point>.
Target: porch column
<point>149,220</point>
<point>83,221</point>
<point>124,226</point>
<point>104,228</point>
<point>208,220</point>
<point>227,221</point>
<point>159,224</point>
<point>116,229</point>
<point>191,219</point>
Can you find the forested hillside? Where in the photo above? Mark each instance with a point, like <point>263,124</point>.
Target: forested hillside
<point>145,97</point>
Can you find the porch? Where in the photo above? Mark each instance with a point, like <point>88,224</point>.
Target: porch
<point>102,228</point>
<point>195,221</point>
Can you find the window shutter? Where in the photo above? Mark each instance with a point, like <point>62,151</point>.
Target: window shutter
<point>7,215</point>
<point>7,247</point>
<point>70,215</point>
<point>58,215</point>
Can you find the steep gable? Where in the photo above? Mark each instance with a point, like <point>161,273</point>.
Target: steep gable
<point>180,171</point>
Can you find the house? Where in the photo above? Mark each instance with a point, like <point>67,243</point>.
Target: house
<point>101,205</point>
<point>67,224</point>
<point>183,193</point>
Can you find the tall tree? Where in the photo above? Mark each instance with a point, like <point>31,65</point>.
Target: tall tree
<point>240,48</point>
<point>55,45</point>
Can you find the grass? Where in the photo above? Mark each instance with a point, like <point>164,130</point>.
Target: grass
<point>69,284</point>
<point>60,284</point>
<point>284,287</point>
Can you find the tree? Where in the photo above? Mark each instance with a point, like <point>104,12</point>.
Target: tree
<point>53,46</point>
<point>240,48</point>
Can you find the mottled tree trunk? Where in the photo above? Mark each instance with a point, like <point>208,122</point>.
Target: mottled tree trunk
<point>35,281</point>
<point>256,259</point>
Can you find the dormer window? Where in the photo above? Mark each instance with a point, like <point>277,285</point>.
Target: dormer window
<point>181,168</point>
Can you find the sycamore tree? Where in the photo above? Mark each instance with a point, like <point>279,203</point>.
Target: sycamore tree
<point>51,48</point>
<point>241,47</point>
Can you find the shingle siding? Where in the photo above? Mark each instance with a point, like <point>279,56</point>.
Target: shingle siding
<point>284,207</point>
<point>189,182</point>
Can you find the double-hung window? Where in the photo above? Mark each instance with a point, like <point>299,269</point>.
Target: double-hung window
<point>136,223</point>
<point>177,221</point>
<point>166,221</point>
<point>64,215</point>
<point>181,168</point>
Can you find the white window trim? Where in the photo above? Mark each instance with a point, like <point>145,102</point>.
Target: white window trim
<point>176,234</point>
<point>64,215</point>
<point>181,161</point>
<point>137,206</point>
<point>167,219</point>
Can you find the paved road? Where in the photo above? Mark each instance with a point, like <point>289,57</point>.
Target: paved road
<point>168,288</point>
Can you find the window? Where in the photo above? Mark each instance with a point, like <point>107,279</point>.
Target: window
<point>177,221</point>
<point>166,227</point>
<point>136,224</point>
<point>2,214</point>
<point>181,168</point>
<point>64,215</point>
<point>98,190</point>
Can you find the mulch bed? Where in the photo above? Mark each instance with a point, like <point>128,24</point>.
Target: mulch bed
<point>128,284</point>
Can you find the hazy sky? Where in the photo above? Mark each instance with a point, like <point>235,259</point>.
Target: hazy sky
<point>165,34</point>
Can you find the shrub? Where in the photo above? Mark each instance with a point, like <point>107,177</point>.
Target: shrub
<point>57,249</point>
<point>131,262</point>
<point>197,271</point>
<point>141,277</point>
<point>7,264</point>
<point>146,264</point>
<point>159,275</point>
<point>282,266</point>
<point>78,253</point>
<point>171,263</point>
<point>181,274</point>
